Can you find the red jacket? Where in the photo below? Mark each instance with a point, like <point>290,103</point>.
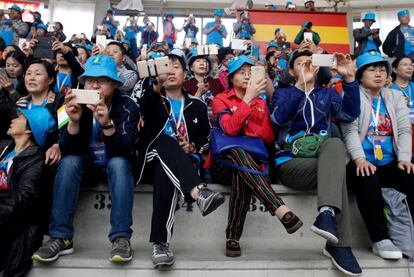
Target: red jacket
<point>252,121</point>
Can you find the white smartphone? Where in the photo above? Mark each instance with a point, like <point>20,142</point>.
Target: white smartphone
<point>101,41</point>
<point>324,60</point>
<point>258,72</point>
<point>291,6</point>
<point>84,96</point>
<point>201,50</point>
<point>22,41</point>
<point>238,44</point>
<point>212,49</point>
<point>308,36</point>
<point>163,65</point>
<point>51,26</point>
<point>144,50</point>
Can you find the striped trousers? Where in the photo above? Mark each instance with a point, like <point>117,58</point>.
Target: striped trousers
<point>243,185</point>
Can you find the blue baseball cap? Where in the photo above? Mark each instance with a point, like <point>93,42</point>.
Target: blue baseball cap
<point>194,41</point>
<point>111,11</point>
<point>16,8</point>
<point>155,55</point>
<point>249,1</point>
<point>272,44</point>
<point>403,12</point>
<point>288,3</point>
<point>100,66</point>
<point>126,42</point>
<point>169,15</point>
<point>369,16</point>
<point>42,26</point>
<point>368,58</point>
<point>194,55</point>
<point>41,122</point>
<point>277,29</point>
<point>237,62</point>
<point>219,12</point>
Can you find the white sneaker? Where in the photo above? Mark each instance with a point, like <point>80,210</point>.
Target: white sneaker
<point>387,250</point>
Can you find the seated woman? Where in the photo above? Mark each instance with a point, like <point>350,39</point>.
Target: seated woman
<point>200,67</point>
<point>303,113</point>
<point>12,82</point>
<point>402,74</point>
<point>21,191</point>
<point>243,110</point>
<point>379,142</point>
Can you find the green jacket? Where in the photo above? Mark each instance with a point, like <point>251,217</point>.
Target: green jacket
<point>299,37</point>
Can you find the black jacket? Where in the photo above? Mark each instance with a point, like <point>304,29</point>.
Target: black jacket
<point>394,43</point>
<point>125,114</point>
<point>361,37</point>
<point>20,214</point>
<point>156,118</point>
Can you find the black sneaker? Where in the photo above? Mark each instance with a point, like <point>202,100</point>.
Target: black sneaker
<point>162,255</point>
<point>208,200</point>
<point>52,249</point>
<point>121,251</point>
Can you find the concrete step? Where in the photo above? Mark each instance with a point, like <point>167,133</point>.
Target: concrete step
<point>199,242</point>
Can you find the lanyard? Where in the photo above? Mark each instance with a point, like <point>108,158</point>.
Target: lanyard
<point>409,95</point>
<point>59,86</point>
<point>180,116</point>
<point>375,116</point>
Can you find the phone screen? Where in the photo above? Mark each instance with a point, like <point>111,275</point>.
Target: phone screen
<point>43,48</point>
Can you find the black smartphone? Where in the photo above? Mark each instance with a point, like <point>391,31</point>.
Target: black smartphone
<point>43,48</point>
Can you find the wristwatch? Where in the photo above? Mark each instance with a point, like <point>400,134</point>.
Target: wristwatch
<point>109,126</point>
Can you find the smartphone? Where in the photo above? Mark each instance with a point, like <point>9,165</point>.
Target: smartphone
<point>255,52</point>
<point>84,96</point>
<point>201,50</point>
<point>99,27</point>
<point>101,41</point>
<point>163,65</point>
<point>143,69</point>
<point>43,48</point>
<point>22,41</point>
<point>3,71</point>
<point>51,28</point>
<point>324,60</point>
<point>212,49</point>
<point>291,6</point>
<point>238,44</point>
<point>258,72</point>
<point>144,50</point>
<point>308,36</point>
<point>151,68</point>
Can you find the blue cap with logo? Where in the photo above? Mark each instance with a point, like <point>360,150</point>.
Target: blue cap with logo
<point>42,26</point>
<point>368,58</point>
<point>219,12</point>
<point>16,8</point>
<point>41,122</point>
<point>100,66</point>
<point>237,62</point>
<point>403,12</point>
<point>369,16</point>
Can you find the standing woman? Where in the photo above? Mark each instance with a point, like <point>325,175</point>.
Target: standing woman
<point>242,110</point>
<point>379,142</point>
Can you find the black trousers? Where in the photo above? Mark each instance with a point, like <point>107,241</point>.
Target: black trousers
<point>369,196</point>
<point>174,176</point>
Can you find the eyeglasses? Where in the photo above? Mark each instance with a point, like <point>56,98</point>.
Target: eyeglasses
<point>99,82</point>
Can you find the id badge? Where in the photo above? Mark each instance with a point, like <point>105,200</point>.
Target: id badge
<point>377,148</point>
<point>411,113</point>
<point>99,153</point>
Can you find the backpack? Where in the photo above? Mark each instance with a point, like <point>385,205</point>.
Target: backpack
<point>399,221</point>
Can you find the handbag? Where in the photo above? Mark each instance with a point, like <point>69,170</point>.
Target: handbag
<point>220,143</point>
<point>305,145</point>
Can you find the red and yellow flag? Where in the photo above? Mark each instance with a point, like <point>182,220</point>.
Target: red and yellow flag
<point>331,27</point>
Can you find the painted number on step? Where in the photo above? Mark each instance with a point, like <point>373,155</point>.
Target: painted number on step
<point>103,202</point>
<point>256,205</point>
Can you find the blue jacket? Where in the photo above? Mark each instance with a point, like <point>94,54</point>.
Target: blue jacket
<point>288,113</point>
<point>125,114</point>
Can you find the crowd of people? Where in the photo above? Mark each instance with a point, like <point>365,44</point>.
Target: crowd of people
<point>212,118</point>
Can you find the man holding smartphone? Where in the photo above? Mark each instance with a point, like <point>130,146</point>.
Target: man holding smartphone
<point>215,30</point>
<point>366,39</point>
<point>98,138</point>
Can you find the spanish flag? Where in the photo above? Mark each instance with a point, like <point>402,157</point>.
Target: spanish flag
<point>331,27</point>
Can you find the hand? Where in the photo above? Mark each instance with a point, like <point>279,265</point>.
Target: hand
<point>345,67</point>
<point>6,83</point>
<point>202,89</point>
<point>364,168</point>
<point>187,147</point>
<point>53,155</point>
<point>407,166</point>
<point>141,123</point>
<point>73,109</point>
<point>254,88</point>
<point>32,43</point>
<point>100,112</point>
<point>96,50</point>
<point>60,47</point>
<point>160,82</point>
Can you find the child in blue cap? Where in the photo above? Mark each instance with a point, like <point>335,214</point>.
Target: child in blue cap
<point>400,41</point>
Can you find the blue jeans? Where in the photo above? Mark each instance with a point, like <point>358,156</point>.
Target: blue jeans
<point>66,192</point>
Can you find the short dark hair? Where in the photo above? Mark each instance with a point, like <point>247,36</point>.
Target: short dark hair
<point>123,50</point>
<point>18,55</point>
<point>51,73</point>
<point>396,64</point>
<point>223,52</point>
